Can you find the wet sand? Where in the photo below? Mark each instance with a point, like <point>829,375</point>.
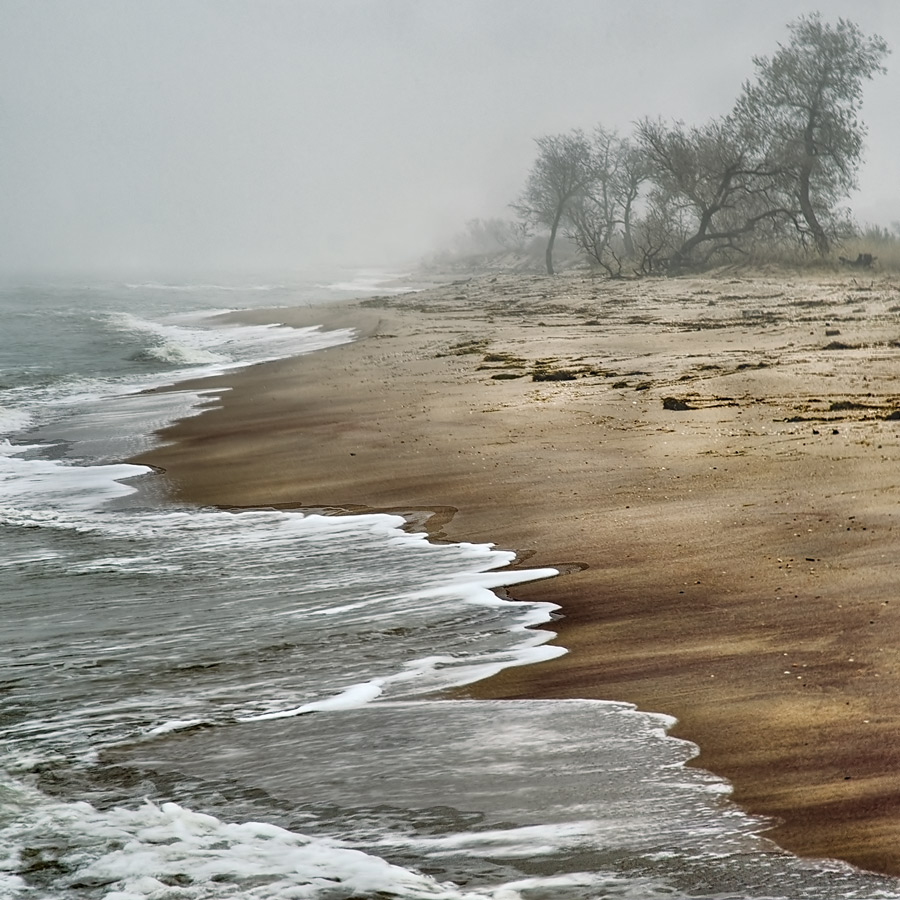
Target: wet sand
<point>709,460</point>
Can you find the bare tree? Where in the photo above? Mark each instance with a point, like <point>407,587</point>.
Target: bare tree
<point>592,216</point>
<point>559,176</point>
<point>600,220</point>
<point>663,226</point>
<point>802,109</point>
<point>633,172</point>
<point>726,189</point>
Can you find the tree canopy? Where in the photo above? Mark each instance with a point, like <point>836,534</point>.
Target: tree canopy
<point>802,110</point>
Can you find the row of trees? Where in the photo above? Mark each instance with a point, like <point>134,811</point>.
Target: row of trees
<point>776,169</point>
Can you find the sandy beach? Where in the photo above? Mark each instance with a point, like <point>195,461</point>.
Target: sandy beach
<point>712,462</point>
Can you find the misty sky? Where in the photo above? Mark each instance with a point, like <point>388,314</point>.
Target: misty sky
<point>154,136</point>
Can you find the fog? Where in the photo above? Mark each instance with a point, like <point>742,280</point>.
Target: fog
<point>160,136</point>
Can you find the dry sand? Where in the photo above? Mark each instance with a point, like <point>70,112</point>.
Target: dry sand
<point>732,563</point>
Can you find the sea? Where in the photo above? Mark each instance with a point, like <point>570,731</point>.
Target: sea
<point>202,703</point>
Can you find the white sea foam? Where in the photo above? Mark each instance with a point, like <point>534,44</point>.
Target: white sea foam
<point>371,281</point>
<point>439,672</point>
<point>57,487</point>
<point>80,409</point>
<point>130,565</point>
<point>200,288</point>
<point>167,851</point>
<point>7,448</point>
<point>13,420</point>
<point>353,697</point>
<point>211,343</point>
<point>175,354</point>
<point>174,725</point>
<point>510,843</point>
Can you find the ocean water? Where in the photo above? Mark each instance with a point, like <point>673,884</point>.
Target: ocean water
<point>197,703</point>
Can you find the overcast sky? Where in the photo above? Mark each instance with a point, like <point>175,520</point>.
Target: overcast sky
<point>268,135</point>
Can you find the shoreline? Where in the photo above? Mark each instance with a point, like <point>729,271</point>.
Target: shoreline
<point>708,460</point>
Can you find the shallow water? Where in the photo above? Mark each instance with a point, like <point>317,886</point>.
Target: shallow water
<point>198,703</point>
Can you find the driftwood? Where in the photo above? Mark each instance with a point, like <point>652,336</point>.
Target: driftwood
<point>863,261</point>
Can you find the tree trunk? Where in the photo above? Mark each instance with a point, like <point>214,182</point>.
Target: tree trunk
<point>626,233</point>
<point>548,256</point>
<point>806,207</point>
<point>683,253</point>
<point>823,246</point>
